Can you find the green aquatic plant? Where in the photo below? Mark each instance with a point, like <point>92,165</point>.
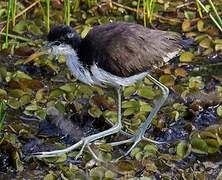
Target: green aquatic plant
<point>148,7</point>
<point>7,24</point>
<point>67,11</point>
<point>45,15</point>
<point>218,20</point>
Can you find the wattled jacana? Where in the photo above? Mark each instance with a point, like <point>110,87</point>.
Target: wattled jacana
<point>115,54</point>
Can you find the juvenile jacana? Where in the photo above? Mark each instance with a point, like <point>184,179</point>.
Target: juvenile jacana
<point>115,54</point>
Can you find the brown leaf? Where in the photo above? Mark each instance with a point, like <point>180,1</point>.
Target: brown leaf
<point>213,32</point>
<point>23,51</point>
<point>32,84</point>
<point>180,72</point>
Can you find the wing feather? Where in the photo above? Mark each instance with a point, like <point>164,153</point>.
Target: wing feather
<point>126,49</point>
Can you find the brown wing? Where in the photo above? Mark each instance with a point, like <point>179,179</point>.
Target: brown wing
<point>125,49</point>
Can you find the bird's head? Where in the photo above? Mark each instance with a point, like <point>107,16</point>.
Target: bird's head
<point>61,40</point>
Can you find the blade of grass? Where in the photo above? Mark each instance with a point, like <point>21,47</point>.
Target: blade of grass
<point>89,3</point>
<point>8,21</point>
<point>215,11</point>
<point>67,11</point>
<point>2,139</point>
<point>210,15</point>
<point>42,10</point>
<point>199,10</point>
<point>150,7</point>
<point>137,8</point>
<point>144,13</point>
<point>16,37</point>
<point>13,12</point>
<point>76,4</point>
<point>47,15</point>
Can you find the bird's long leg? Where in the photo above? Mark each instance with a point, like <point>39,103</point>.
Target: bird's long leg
<point>140,133</point>
<point>86,140</point>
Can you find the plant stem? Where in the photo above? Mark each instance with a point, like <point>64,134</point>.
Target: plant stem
<point>8,21</point>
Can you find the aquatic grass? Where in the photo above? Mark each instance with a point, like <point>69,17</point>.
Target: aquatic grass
<point>148,7</point>
<point>7,23</point>
<point>45,15</point>
<point>2,119</point>
<point>15,36</point>
<point>91,3</point>
<point>199,9</point>
<point>67,11</point>
<point>43,12</point>
<point>215,11</point>
<point>13,11</point>
<point>76,4</point>
<point>218,21</point>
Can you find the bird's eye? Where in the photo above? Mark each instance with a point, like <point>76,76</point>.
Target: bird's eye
<point>57,43</point>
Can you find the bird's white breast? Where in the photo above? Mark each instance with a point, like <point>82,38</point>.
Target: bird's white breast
<point>95,75</point>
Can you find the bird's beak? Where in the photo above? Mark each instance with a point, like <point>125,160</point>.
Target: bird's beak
<point>40,52</point>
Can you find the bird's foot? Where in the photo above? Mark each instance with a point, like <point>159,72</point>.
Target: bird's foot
<point>84,142</point>
<point>135,139</point>
<point>59,152</point>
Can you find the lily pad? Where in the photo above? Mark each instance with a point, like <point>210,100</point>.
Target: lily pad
<point>205,43</point>
<point>200,26</point>
<point>128,91</point>
<point>167,80</point>
<point>183,150</point>
<point>186,26</point>
<point>14,103</point>
<point>146,92</point>
<point>180,72</point>
<point>219,110</point>
<point>186,57</point>
<point>213,145</point>
<point>199,145</point>
<point>95,112</point>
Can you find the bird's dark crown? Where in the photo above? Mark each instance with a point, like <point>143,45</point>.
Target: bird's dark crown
<point>63,34</point>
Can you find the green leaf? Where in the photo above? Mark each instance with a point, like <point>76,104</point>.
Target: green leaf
<point>145,108</point>
<point>146,92</point>
<point>3,92</point>
<point>213,145</point>
<point>32,107</point>
<point>68,87</point>
<point>183,150</point>
<point>199,145</point>
<point>167,80</point>
<point>129,111</point>
<point>128,91</point>
<point>50,177</point>
<point>95,112</point>
<point>20,27</point>
<point>13,103</point>
<point>132,103</point>
<point>186,57</point>
<point>25,99</point>
<point>219,110</point>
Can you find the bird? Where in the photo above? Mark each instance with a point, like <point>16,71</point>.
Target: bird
<point>115,54</point>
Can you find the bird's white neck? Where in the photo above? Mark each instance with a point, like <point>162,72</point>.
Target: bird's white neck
<point>76,67</point>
